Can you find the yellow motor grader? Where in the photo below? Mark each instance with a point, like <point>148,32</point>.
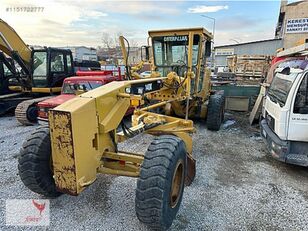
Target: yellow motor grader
<point>83,133</point>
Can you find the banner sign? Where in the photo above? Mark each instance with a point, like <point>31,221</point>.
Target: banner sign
<point>299,25</point>
<point>224,51</point>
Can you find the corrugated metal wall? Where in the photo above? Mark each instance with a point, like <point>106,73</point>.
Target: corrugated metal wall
<point>257,48</point>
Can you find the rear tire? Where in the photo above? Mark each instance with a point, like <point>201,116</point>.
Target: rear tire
<point>34,163</point>
<point>161,183</point>
<point>215,113</point>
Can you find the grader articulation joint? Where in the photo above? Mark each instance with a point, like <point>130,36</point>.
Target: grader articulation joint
<point>82,137</point>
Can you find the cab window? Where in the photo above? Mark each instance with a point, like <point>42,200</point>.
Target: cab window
<point>301,100</point>
<point>57,62</point>
<point>6,71</point>
<point>40,64</point>
<point>170,53</point>
<point>69,64</point>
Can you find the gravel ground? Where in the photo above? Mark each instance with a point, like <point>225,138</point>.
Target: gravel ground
<point>237,186</point>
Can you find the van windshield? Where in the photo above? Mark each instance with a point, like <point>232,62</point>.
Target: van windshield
<point>280,88</point>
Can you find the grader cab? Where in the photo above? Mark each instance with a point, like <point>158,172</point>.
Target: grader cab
<point>83,134</point>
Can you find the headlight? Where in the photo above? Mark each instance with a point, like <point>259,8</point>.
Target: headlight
<point>276,146</point>
<point>127,90</point>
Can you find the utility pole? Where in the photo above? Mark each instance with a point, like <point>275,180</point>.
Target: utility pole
<point>214,24</point>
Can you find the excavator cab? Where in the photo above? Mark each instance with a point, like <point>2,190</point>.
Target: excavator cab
<point>50,67</point>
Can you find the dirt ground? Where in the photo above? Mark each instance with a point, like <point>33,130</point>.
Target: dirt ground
<point>238,186</point>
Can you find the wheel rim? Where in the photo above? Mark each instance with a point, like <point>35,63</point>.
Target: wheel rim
<point>32,114</point>
<point>177,184</point>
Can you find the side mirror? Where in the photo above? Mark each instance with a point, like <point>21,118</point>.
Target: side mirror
<point>208,48</point>
<point>145,53</point>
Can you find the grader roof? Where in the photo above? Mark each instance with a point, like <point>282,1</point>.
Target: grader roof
<point>180,31</point>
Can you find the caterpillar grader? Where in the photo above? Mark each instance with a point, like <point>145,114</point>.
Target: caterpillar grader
<point>30,74</point>
<point>82,138</point>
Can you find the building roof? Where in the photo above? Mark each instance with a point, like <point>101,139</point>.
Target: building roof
<point>70,47</point>
<point>239,44</point>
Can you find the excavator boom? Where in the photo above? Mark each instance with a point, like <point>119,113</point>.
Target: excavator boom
<point>12,45</point>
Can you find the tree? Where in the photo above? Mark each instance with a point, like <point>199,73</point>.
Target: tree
<point>107,41</point>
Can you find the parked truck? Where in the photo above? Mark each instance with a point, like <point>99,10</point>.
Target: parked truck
<point>284,124</point>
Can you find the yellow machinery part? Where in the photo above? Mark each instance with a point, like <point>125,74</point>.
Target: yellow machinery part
<point>10,41</point>
<point>83,135</point>
<point>46,90</point>
<point>83,130</point>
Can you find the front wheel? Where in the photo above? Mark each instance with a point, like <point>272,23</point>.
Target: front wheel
<point>161,183</point>
<point>34,163</point>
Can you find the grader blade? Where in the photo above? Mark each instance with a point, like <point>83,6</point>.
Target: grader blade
<point>190,170</point>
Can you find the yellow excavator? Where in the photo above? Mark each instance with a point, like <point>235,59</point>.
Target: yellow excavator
<point>29,75</point>
<point>82,138</point>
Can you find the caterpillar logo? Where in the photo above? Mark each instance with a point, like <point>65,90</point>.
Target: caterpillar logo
<point>175,39</point>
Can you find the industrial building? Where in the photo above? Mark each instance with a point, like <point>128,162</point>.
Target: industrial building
<point>291,30</point>
<point>264,47</point>
<point>292,26</point>
<point>83,53</point>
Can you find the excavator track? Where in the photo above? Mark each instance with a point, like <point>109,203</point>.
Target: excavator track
<point>24,112</point>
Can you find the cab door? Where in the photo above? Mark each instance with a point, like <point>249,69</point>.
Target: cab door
<point>58,68</point>
<point>298,123</point>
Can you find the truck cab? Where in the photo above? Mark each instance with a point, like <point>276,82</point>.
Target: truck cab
<point>284,126</point>
<point>73,86</point>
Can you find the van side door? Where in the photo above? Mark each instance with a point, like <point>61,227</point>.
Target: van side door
<point>298,123</point>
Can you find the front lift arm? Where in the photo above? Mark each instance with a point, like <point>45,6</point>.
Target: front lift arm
<point>84,132</point>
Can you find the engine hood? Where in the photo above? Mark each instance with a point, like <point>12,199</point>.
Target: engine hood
<point>56,101</point>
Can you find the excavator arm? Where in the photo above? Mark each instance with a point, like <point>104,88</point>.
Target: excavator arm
<point>12,45</point>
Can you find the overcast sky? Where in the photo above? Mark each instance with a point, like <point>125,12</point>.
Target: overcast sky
<point>64,23</point>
